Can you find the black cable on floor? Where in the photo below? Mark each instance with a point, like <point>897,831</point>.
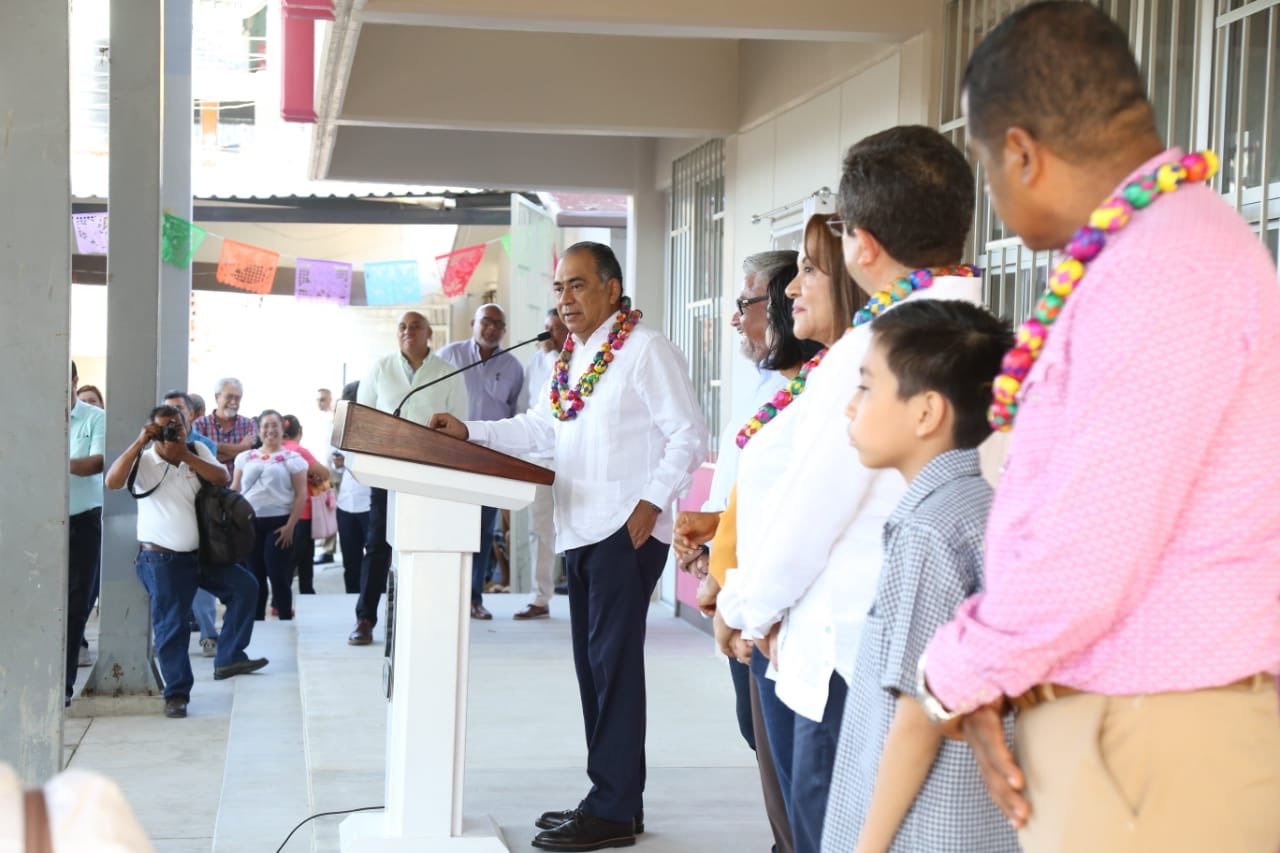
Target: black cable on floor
<point>324,814</point>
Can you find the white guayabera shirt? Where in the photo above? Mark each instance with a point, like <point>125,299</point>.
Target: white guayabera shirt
<point>639,436</point>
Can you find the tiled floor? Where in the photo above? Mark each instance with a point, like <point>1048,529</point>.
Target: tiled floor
<point>258,753</point>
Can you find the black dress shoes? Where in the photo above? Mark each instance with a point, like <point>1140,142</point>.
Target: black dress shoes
<point>550,820</point>
<point>175,706</point>
<point>585,832</point>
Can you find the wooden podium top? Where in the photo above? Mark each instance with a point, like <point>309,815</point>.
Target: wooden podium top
<point>362,429</point>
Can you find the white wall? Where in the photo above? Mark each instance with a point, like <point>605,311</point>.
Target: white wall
<point>789,156</point>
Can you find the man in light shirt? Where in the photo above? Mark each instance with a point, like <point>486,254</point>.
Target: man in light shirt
<point>493,390</point>
<point>87,437</point>
<point>542,528</point>
<point>623,451</point>
<point>384,386</point>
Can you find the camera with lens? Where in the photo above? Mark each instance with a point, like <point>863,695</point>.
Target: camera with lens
<point>171,432</point>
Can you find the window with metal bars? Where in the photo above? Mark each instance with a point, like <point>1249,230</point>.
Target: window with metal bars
<point>1212,75</point>
<point>695,263</point>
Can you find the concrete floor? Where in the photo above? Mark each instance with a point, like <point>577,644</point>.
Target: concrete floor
<point>260,752</point>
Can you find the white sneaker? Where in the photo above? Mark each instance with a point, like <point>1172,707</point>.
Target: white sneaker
<point>208,648</point>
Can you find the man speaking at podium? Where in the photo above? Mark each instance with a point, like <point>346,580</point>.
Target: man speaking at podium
<point>620,418</point>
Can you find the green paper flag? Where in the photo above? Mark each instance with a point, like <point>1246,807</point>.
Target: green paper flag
<point>506,242</point>
<point>179,240</point>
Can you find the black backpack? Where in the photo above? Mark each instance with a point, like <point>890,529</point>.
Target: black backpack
<point>223,517</point>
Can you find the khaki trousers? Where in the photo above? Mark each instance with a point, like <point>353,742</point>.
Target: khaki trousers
<point>1170,772</point>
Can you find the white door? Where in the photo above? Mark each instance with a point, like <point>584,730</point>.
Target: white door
<point>532,257</point>
<point>533,250</point>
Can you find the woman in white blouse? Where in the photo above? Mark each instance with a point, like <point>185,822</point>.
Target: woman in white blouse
<point>824,298</point>
<point>274,481</point>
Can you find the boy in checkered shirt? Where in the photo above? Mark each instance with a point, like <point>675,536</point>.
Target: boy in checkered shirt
<point>921,409</point>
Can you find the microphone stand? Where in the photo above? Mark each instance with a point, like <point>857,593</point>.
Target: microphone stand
<point>542,336</point>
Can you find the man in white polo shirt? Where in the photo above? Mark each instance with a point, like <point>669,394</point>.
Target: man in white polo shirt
<point>168,474</point>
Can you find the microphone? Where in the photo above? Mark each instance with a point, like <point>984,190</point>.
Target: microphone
<point>542,336</point>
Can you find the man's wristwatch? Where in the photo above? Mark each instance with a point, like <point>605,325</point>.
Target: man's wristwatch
<point>933,707</point>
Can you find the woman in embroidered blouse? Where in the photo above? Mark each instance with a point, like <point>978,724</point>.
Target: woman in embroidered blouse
<point>274,481</point>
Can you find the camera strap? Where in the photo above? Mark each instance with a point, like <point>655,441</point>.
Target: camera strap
<point>133,475</point>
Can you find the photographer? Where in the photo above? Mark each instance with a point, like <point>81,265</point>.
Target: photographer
<point>169,471</point>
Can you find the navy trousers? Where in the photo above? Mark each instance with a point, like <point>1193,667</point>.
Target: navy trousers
<point>610,584</point>
<point>482,560</point>
<point>271,562</point>
<point>740,674</point>
<point>353,539</point>
<point>84,555</point>
<point>377,559</point>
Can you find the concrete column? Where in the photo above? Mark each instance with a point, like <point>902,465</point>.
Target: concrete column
<point>35,276</point>
<point>123,670</point>
<point>175,192</point>
<point>647,240</point>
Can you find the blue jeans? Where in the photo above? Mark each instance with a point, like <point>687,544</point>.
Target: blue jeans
<point>270,562</point>
<point>205,609</point>
<point>814,757</point>
<point>172,580</point>
<point>780,723</point>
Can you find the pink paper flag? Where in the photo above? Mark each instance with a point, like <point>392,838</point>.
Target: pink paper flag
<point>322,281</point>
<point>459,267</point>
<point>91,233</point>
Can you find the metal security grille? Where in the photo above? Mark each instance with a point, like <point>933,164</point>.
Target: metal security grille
<point>1212,76</point>
<point>695,263</point>
<point>1245,125</point>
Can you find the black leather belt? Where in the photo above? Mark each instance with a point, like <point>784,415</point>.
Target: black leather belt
<point>148,546</point>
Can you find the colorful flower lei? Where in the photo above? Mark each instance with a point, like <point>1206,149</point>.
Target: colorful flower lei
<point>566,402</point>
<point>780,400</point>
<point>1112,215</point>
<point>920,279</point>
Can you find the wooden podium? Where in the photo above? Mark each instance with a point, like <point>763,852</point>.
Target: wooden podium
<point>436,486</point>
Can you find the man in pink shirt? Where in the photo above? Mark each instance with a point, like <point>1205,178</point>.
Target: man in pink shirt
<point>1132,604</point>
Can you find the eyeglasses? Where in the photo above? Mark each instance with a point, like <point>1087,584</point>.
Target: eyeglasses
<point>743,304</point>
<point>496,324</point>
<point>836,227</point>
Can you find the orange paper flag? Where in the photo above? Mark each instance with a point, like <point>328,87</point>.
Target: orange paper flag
<point>247,267</point>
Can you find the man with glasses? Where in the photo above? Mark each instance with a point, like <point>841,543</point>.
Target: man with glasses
<point>493,392</point>
<point>230,431</point>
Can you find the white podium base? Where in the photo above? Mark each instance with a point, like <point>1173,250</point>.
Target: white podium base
<point>366,833</point>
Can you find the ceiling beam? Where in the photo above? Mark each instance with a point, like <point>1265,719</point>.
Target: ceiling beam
<point>542,82</point>
<point>347,212</point>
<point>476,158</point>
<point>812,20</point>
